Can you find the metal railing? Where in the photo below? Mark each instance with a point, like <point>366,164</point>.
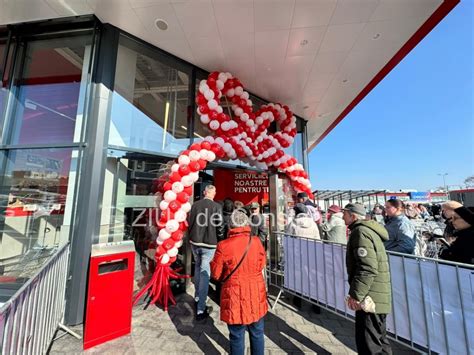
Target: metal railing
<point>29,319</point>
<point>433,300</point>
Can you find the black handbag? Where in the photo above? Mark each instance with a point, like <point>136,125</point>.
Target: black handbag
<point>240,262</point>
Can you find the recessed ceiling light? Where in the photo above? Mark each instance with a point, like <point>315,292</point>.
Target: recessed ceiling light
<point>161,24</point>
<point>305,107</point>
<point>345,81</point>
<point>376,36</point>
<point>304,42</point>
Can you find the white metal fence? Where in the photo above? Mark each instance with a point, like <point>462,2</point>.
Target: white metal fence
<point>30,318</point>
<point>433,305</point>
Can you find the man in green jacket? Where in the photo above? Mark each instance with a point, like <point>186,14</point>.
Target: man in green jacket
<point>369,279</point>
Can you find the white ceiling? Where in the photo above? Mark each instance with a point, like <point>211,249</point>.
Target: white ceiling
<point>260,41</point>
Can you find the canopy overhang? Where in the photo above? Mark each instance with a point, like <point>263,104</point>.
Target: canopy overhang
<point>320,57</point>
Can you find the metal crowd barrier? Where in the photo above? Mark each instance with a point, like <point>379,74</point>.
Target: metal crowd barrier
<point>433,300</point>
<point>30,318</point>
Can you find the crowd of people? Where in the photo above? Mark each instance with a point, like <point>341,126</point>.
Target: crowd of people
<point>233,252</point>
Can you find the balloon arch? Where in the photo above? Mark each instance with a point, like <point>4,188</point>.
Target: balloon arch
<point>242,136</point>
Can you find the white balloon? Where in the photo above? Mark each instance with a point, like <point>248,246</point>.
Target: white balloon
<point>228,75</point>
<point>214,124</point>
<point>250,123</point>
<point>194,155</point>
<point>195,175</point>
<point>163,234</point>
<point>174,168</point>
<point>187,180</point>
<point>164,205</point>
<point>159,241</point>
<point>238,111</point>
<point>205,119</point>
<point>227,147</point>
<point>180,216</point>
<point>165,259</point>
<point>245,95</point>
<point>211,156</point>
<point>225,126</point>
<point>186,207</point>
<point>209,139</point>
<point>169,196</point>
<point>244,117</point>
<point>172,225</point>
<point>212,104</point>
<point>172,252</point>
<point>239,90</point>
<point>177,187</point>
<point>203,153</point>
<point>203,87</point>
<point>183,160</point>
<point>222,77</point>
<point>219,84</point>
<point>219,109</point>
<point>220,141</point>
<point>179,244</point>
<point>230,93</point>
<point>249,103</point>
<point>209,94</point>
<point>259,120</point>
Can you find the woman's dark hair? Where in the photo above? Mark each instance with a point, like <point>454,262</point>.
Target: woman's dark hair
<point>228,205</point>
<point>395,202</point>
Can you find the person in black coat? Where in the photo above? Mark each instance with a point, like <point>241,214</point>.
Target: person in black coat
<point>462,219</point>
<point>227,209</point>
<point>205,230</point>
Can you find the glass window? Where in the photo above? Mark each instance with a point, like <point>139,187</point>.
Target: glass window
<point>36,197</point>
<point>150,101</point>
<point>50,86</point>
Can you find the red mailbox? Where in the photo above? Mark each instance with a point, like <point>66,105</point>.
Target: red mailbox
<point>109,293</point>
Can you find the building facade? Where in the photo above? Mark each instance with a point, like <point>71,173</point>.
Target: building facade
<point>90,115</point>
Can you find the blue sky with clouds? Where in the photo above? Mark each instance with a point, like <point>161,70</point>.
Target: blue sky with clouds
<point>418,122</point>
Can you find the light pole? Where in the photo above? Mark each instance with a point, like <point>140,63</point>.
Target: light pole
<point>444,182</point>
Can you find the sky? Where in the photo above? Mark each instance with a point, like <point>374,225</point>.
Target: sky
<point>418,122</point>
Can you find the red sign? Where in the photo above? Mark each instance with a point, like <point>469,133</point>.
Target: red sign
<point>241,185</point>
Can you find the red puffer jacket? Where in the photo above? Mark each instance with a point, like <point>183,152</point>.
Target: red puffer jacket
<point>243,295</point>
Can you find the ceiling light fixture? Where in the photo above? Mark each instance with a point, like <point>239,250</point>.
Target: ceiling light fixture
<point>345,81</point>
<point>376,36</point>
<point>161,24</point>
<point>304,42</point>
<point>305,107</point>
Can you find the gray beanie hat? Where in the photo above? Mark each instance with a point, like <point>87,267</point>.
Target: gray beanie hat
<point>238,218</point>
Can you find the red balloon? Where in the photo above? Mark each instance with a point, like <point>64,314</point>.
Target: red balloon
<point>214,75</point>
<point>167,186</point>
<point>188,190</point>
<point>195,146</point>
<point>168,214</point>
<point>174,206</point>
<point>184,170</point>
<point>215,147</point>
<point>205,145</point>
<point>183,226</point>
<point>213,115</point>
<point>204,109</point>
<point>178,235</point>
<point>168,244</point>
<point>202,163</point>
<point>182,197</point>
<point>175,177</point>
<point>194,166</point>
<point>185,152</point>
<point>201,100</point>
<point>211,82</point>
<point>172,259</point>
<point>160,251</point>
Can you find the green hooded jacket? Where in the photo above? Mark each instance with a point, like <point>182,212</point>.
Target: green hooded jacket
<point>367,265</point>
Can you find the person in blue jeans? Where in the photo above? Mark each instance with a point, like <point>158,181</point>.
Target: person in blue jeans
<point>205,230</point>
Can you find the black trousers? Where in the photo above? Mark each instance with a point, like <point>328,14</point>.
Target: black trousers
<point>371,333</point>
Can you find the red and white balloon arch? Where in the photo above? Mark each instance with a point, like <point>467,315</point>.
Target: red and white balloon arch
<point>244,136</point>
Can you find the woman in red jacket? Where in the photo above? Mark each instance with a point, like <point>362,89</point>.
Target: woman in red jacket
<point>238,264</point>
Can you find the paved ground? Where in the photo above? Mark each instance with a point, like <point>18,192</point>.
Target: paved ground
<point>176,332</point>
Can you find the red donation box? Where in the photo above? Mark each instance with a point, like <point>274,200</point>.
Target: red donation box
<point>109,293</point>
